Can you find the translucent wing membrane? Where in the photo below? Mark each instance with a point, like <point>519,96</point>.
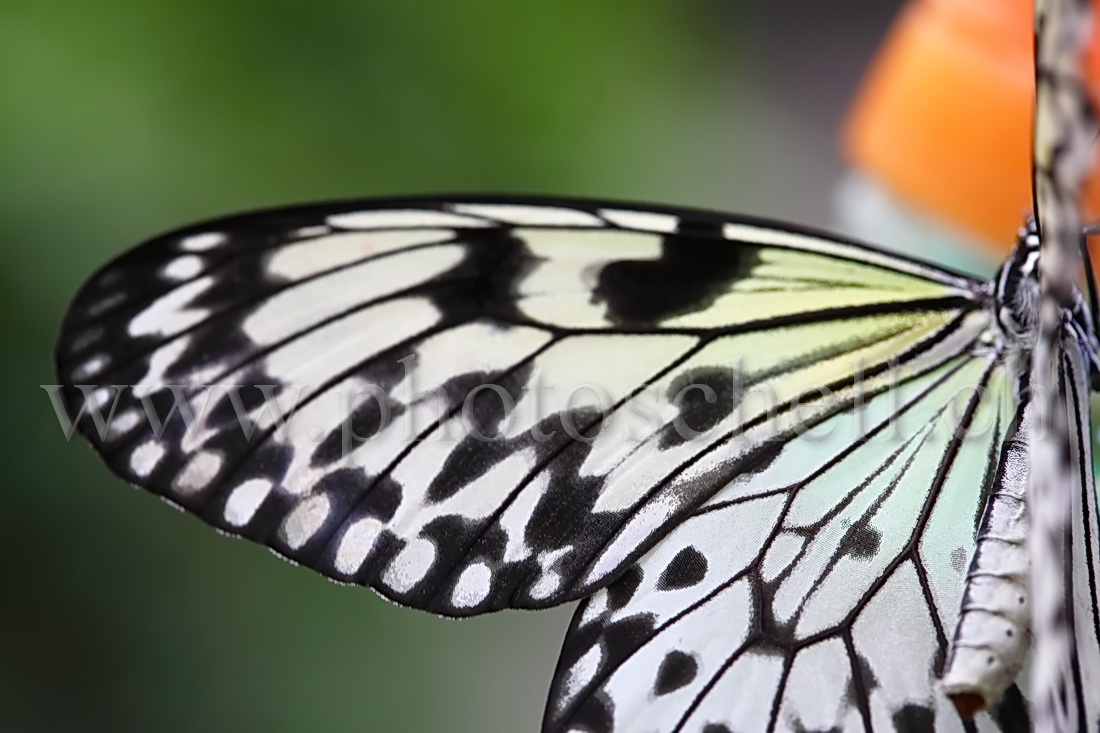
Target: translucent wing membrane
<point>817,594</point>
<point>1083,665</point>
<point>1065,653</point>
<point>476,405</point>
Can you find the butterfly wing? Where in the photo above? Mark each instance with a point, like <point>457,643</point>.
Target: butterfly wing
<point>1082,665</point>
<point>1065,647</point>
<point>818,594</point>
<point>387,426</point>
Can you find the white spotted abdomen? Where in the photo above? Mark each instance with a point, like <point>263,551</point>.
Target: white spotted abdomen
<point>992,635</point>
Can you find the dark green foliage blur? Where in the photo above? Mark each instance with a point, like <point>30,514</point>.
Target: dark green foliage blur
<point>122,118</point>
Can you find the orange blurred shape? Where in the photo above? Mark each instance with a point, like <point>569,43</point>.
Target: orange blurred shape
<point>943,120</point>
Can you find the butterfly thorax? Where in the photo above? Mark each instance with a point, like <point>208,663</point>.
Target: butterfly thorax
<point>1016,293</point>
<point>1016,305</point>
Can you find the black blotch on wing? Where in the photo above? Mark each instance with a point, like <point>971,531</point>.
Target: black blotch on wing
<point>866,673</point>
<point>485,282</point>
<point>677,670</point>
<point>703,397</point>
<point>383,499</point>
<point>622,590</point>
<point>863,682</point>
<point>763,456</point>
<point>595,714</point>
<point>861,541</point>
<point>564,515</point>
<point>689,275</point>
<point>374,414</point>
<point>686,569</point>
<point>485,401</point>
<point>471,459</point>
<point>162,406</point>
<point>368,497</point>
<point>716,728</point>
<point>1011,712</point>
<point>914,719</point>
<point>363,424</point>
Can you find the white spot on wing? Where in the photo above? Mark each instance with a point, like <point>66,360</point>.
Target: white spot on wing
<point>783,551</point>
<point>555,216</point>
<point>144,459</point>
<point>183,268</point>
<point>469,348</point>
<point>583,671</point>
<point>311,256</point>
<point>547,584</point>
<point>472,586</point>
<point>356,544</point>
<point>105,303</point>
<point>312,231</point>
<point>645,220</point>
<point>203,242</point>
<point>403,219</point>
<point>297,308</point>
<point>84,339</point>
<point>311,359</point>
<point>826,669</point>
<point>897,617</point>
<point>305,520</point>
<point>411,565</point>
<point>124,423</point>
<point>169,313</point>
<point>243,502</point>
<point>517,516</point>
<point>198,473</point>
<point>589,250</point>
<point>91,367</point>
<point>742,695</point>
<point>101,396</point>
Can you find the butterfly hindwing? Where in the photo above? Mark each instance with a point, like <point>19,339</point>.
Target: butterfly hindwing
<point>1081,588</point>
<point>784,601</point>
<point>1065,648</point>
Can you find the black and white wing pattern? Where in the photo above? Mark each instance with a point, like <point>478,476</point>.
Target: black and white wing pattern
<point>817,594</point>
<point>1066,657</point>
<point>1080,573</point>
<point>766,451</point>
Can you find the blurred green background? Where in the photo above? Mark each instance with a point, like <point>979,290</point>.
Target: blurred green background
<point>121,118</point>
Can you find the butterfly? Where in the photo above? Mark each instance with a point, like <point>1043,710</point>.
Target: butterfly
<point>783,471</point>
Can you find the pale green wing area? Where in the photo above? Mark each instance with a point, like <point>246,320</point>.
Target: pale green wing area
<point>817,594</point>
